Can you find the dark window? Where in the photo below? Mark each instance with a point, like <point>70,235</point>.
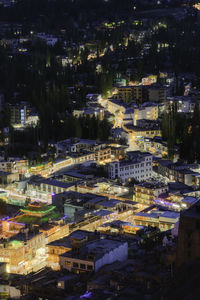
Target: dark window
<point>82,266</point>
<point>75,265</point>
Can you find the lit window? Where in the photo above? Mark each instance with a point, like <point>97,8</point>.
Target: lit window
<point>68,263</point>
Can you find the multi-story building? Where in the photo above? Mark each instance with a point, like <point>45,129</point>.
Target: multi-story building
<point>93,255</point>
<point>140,93</point>
<point>19,113</point>
<point>45,189</point>
<point>164,220</point>
<point>148,191</point>
<point>137,132</point>
<point>14,165</point>
<point>138,166</point>
<point>125,93</point>
<point>60,246</point>
<point>177,172</point>
<point>132,93</point>
<point>32,215</point>
<point>148,111</point>
<point>19,251</point>
<point>157,93</point>
<point>8,166</point>
<point>54,250</point>
<point>103,154</point>
<point>85,156</point>
<point>188,247</point>
<point>155,146</point>
<point>62,163</point>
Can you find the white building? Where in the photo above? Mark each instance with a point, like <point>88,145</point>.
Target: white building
<point>138,166</point>
<point>95,255</point>
<point>147,111</point>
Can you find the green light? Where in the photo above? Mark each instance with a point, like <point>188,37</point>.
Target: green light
<point>39,211</point>
<point>15,243</point>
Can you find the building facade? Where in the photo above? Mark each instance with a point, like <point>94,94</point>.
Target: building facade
<point>138,166</point>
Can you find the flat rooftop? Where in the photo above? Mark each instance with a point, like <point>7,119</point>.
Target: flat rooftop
<point>98,248</point>
<point>57,183</point>
<point>151,185</point>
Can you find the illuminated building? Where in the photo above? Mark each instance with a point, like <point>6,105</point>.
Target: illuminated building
<point>164,220</point>
<point>147,111</point>
<point>38,210</point>
<point>155,146</point>
<point>149,79</point>
<point>197,6</point>
<point>19,251</point>
<point>132,229</point>
<point>132,93</point>
<point>177,172</point>
<point>62,163</point>
<point>120,227</point>
<point>103,187</point>
<point>115,106</point>
<point>118,151</point>
<point>54,230</point>
<point>148,191</point>
<point>10,227</point>
<point>36,213</point>
<point>86,156</point>
<point>184,104</point>
<point>138,132</point>
<point>44,189</point>
<point>103,154</point>
<point>60,246</point>
<point>125,93</point>
<point>14,165</point>
<point>25,249</point>
<point>8,291</point>
<point>54,250</point>
<point>138,166</point>
<point>42,169</point>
